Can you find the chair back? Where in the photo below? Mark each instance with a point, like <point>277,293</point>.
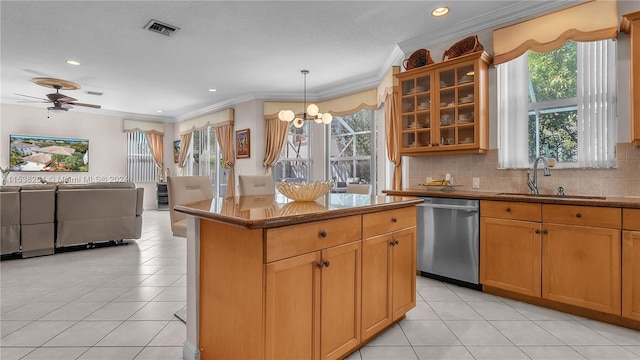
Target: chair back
<point>256,185</point>
<point>359,189</point>
<point>183,190</point>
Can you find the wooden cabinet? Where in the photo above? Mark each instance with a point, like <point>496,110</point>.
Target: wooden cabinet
<point>444,107</point>
<point>311,297</point>
<point>581,262</point>
<point>388,268</point>
<point>510,246</point>
<point>630,24</point>
<point>631,264</point>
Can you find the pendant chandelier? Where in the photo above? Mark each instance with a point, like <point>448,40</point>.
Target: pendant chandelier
<point>311,110</point>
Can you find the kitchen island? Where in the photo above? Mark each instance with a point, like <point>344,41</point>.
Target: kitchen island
<point>268,278</point>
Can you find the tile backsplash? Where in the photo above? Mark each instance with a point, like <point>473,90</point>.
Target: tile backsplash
<point>624,180</point>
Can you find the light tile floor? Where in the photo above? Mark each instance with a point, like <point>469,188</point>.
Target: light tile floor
<point>118,303</point>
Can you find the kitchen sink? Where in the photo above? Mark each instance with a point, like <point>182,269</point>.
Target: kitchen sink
<point>554,196</point>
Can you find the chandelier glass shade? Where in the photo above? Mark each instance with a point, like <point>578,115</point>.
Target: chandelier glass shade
<point>311,112</point>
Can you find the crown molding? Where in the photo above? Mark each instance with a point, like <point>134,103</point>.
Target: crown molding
<point>510,12</point>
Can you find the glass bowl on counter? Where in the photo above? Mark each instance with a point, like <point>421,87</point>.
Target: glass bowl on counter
<point>304,191</point>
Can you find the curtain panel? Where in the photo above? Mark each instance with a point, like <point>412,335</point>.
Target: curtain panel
<point>156,146</point>
<point>224,134</point>
<point>185,142</point>
<point>393,140</point>
<point>275,138</point>
<point>590,21</point>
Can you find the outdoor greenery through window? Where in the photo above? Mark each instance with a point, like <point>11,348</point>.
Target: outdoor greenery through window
<point>553,111</point>
<point>352,157</point>
<point>140,164</point>
<point>295,162</point>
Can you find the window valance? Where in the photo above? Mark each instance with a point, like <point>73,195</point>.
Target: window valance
<point>216,119</point>
<point>591,21</point>
<point>143,127</point>
<point>338,107</point>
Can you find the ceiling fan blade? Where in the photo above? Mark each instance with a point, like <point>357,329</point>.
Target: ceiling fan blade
<point>86,105</point>
<point>33,101</point>
<point>29,96</point>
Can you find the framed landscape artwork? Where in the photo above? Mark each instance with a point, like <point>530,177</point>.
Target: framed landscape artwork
<point>243,144</point>
<point>176,151</point>
<point>44,153</point>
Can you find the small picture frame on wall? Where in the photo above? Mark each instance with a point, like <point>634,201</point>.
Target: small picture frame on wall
<point>243,143</point>
<point>176,151</point>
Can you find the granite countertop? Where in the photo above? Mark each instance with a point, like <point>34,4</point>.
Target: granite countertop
<point>583,200</point>
<point>254,212</point>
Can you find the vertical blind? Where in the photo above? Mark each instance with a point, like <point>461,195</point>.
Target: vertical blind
<point>141,167</point>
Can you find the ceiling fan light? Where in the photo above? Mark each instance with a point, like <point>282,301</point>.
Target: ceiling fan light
<point>326,118</point>
<point>298,123</point>
<point>312,109</point>
<point>57,109</point>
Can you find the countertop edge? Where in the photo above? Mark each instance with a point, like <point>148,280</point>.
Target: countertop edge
<point>618,202</point>
<point>297,219</point>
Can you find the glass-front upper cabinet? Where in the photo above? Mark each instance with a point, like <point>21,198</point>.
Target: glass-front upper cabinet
<point>444,106</point>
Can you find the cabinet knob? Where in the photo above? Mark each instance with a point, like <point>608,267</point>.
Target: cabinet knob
<point>578,215</point>
<point>508,210</point>
<point>545,231</point>
<point>323,234</point>
<point>326,263</point>
<point>537,231</point>
<point>320,265</point>
<point>394,220</point>
<point>396,242</point>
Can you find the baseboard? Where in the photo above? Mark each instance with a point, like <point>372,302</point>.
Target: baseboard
<point>190,352</point>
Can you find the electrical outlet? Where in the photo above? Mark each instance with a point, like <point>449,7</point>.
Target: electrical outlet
<point>476,183</point>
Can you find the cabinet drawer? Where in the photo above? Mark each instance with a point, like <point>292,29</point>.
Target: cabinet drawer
<point>300,239</point>
<point>631,219</point>
<point>387,221</point>
<point>511,210</point>
<point>582,215</point>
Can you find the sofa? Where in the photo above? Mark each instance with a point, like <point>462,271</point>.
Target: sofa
<point>98,212</point>
<point>38,219</point>
<point>9,219</point>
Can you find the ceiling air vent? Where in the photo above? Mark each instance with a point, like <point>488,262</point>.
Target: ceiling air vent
<point>96,93</point>
<point>161,28</point>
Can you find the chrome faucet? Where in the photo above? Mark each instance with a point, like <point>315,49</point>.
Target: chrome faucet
<point>533,185</point>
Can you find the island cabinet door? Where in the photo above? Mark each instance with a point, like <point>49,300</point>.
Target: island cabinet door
<point>403,272</point>
<point>340,300</point>
<point>376,284</point>
<point>292,308</point>
<point>581,266</point>
<point>631,274</point>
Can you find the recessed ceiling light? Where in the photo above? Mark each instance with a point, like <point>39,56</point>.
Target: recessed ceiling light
<point>158,111</point>
<point>440,11</point>
<point>213,90</point>
<point>73,62</point>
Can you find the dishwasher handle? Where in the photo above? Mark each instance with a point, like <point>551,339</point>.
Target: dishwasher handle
<point>450,207</point>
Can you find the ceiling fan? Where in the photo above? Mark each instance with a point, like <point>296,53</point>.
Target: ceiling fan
<point>60,101</point>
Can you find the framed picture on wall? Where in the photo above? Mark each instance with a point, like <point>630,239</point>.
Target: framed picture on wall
<point>243,143</point>
<point>176,151</point>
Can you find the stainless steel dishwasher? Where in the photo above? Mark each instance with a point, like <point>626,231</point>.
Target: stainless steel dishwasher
<point>449,240</point>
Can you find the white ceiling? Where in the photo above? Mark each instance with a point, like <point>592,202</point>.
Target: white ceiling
<point>244,49</point>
